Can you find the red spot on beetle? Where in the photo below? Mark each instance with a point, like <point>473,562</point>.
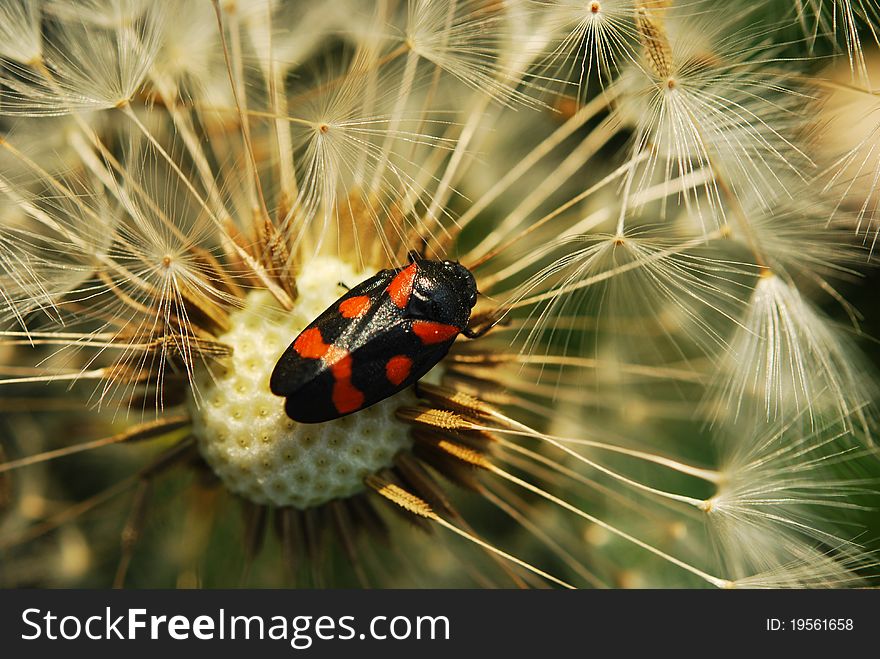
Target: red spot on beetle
<point>430,332</point>
<point>355,307</point>
<point>339,361</point>
<point>346,397</point>
<point>397,369</point>
<point>401,286</point>
<point>310,344</point>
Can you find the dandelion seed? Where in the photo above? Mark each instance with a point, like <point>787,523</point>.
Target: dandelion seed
<point>87,64</point>
<point>786,480</point>
<point>850,143</point>
<point>462,38</point>
<point>682,291</point>
<point>840,20</point>
<point>596,39</point>
<point>788,359</point>
<point>20,31</point>
<point>709,104</point>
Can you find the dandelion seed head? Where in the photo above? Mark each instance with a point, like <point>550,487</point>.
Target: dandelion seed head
<point>632,184</point>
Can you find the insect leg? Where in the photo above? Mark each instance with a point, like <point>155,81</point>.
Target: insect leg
<point>483,323</point>
<point>477,333</point>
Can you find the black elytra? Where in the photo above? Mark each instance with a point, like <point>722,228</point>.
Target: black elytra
<point>379,338</point>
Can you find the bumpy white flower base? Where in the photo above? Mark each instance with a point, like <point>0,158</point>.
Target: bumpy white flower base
<point>243,432</point>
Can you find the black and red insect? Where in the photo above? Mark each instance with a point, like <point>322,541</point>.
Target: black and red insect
<point>376,340</point>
